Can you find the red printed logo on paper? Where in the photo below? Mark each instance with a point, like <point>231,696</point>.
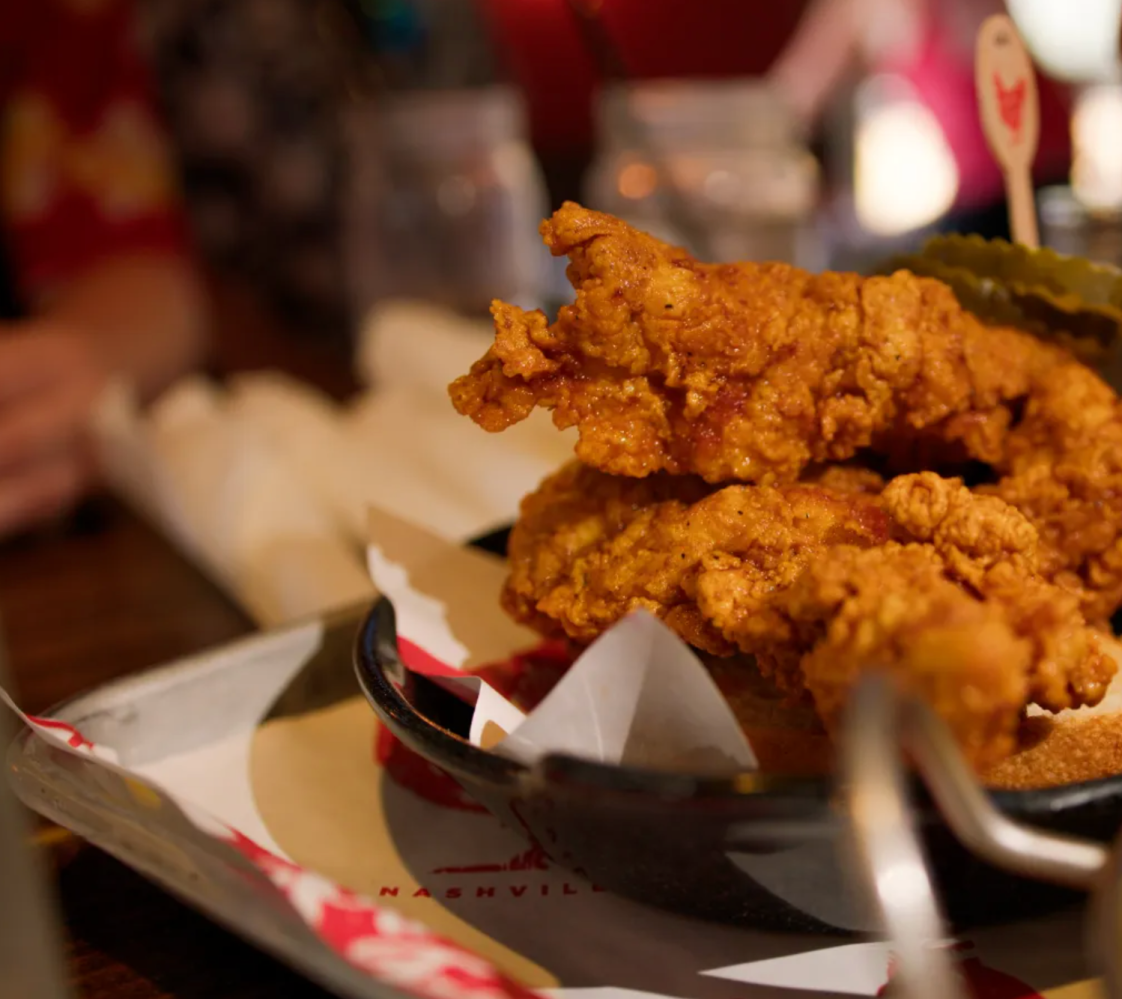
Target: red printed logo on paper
<point>533,859</point>
<point>1011,104</point>
<point>379,941</point>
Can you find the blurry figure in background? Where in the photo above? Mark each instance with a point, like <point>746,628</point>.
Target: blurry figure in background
<point>99,282</point>
<point>929,45</point>
<point>291,123</point>
<point>542,45</point>
<point>813,52</point>
<point>253,91</point>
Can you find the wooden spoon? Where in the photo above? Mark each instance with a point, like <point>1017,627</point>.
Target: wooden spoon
<point>1010,112</point>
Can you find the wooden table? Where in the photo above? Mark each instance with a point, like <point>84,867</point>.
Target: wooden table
<point>105,596</point>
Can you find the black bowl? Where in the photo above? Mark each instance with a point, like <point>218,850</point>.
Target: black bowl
<point>755,850</point>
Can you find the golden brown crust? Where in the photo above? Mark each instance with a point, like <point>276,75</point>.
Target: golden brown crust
<point>893,608</point>
<point>845,478</point>
<point>575,516</point>
<point>588,548</point>
<point>742,372</point>
<point>689,381</point>
<point>933,583</point>
<point>1055,753</point>
<point>1063,470</point>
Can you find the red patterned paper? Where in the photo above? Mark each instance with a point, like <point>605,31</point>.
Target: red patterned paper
<point>386,945</point>
<point>383,943</point>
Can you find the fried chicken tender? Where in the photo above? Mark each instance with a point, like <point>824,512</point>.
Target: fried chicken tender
<point>992,549</point>
<point>741,372</point>
<point>845,478</point>
<point>589,548</point>
<point>893,607</point>
<point>1063,471</point>
<point>915,608</point>
<point>925,579</point>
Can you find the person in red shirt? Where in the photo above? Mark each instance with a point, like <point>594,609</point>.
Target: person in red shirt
<point>98,281</point>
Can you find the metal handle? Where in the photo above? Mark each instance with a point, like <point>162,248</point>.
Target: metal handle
<point>890,860</point>
<point>1104,925</point>
<point>879,725</point>
<point>883,722</point>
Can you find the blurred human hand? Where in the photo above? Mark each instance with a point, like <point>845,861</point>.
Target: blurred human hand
<point>51,377</point>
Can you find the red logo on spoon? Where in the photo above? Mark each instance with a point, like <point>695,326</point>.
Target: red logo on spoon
<point>1011,104</point>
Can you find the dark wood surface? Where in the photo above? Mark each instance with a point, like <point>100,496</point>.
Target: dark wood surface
<point>102,596</point>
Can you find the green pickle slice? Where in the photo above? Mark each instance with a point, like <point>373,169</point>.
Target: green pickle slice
<point>1067,299</point>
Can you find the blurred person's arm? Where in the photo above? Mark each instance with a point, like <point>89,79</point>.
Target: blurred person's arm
<point>97,250</point>
<point>142,314</point>
<point>833,37</point>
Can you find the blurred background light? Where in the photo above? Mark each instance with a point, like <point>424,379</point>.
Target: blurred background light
<point>905,175</point>
<point>1096,136</point>
<point>1071,41</point>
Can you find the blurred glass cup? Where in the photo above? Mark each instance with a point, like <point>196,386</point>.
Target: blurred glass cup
<point>444,200</point>
<point>1068,225</point>
<point>734,153</point>
<point>1084,218</point>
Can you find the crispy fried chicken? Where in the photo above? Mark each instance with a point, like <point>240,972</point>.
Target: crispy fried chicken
<point>1063,470</point>
<point>927,580</point>
<point>589,547</point>
<point>715,406</point>
<point>742,372</point>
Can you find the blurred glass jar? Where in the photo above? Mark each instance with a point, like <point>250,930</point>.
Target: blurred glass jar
<point>1068,225</point>
<point>444,200</point>
<point>745,180</point>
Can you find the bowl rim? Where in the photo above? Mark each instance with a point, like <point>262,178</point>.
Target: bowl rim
<point>376,649</point>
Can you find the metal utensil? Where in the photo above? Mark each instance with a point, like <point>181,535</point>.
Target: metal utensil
<point>890,860</point>
<point>882,725</point>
